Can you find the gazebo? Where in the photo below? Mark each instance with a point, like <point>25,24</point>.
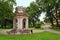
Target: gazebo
<point>20,19</point>
<point>20,22</point>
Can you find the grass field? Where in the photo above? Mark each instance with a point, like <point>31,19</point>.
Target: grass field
<point>29,29</point>
<point>4,29</point>
<point>36,28</point>
<point>36,36</point>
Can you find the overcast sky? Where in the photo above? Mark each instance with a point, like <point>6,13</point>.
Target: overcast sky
<point>26,3</point>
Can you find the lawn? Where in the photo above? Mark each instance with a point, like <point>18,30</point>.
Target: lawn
<point>36,36</point>
<point>36,28</point>
<point>29,29</point>
<point>4,29</point>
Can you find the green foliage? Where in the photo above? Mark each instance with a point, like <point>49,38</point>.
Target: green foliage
<point>6,11</point>
<point>38,24</point>
<point>34,14</point>
<point>51,8</point>
<point>56,28</point>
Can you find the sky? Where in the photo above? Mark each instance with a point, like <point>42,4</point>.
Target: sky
<point>42,16</point>
<point>26,3</point>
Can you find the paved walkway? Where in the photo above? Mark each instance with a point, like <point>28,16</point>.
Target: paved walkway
<point>46,28</point>
<point>37,31</point>
<point>53,31</point>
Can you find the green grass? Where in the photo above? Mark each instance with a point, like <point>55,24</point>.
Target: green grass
<point>36,36</point>
<point>36,28</point>
<point>29,29</point>
<point>4,29</point>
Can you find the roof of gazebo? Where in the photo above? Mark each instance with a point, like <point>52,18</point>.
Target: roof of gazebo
<point>20,11</point>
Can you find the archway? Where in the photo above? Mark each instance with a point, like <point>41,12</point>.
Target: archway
<point>24,23</point>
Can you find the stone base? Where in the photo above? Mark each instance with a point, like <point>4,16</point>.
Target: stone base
<point>19,32</point>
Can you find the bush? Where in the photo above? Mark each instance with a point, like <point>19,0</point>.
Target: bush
<point>7,27</point>
<point>37,26</point>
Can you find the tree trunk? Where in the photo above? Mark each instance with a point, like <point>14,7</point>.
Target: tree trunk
<point>51,20</point>
<point>57,23</point>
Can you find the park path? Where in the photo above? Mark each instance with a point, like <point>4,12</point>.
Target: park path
<point>37,31</point>
<point>46,28</point>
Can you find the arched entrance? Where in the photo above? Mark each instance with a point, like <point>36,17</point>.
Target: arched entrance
<point>24,23</point>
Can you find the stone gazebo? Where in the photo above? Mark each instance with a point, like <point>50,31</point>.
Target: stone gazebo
<point>20,20</point>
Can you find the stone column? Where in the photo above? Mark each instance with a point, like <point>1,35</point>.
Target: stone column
<point>27,23</point>
<point>19,24</point>
<point>14,23</point>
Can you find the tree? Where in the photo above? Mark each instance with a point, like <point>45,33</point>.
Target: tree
<point>49,7</point>
<point>6,11</point>
<point>34,14</point>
